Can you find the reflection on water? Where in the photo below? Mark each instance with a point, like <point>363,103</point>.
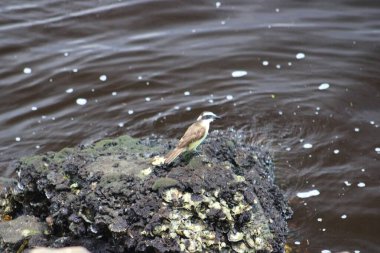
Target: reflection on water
<point>301,79</point>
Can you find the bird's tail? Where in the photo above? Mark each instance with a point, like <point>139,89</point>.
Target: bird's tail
<point>171,156</point>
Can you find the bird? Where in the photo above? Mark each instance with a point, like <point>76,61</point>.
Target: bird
<point>193,136</point>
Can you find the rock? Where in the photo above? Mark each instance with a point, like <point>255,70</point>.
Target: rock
<point>15,234</point>
<point>61,250</point>
<point>109,196</point>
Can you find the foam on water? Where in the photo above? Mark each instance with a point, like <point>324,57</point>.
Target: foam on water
<point>34,108</point>
<point>147,99</point>
<point>186,93</point>
<point>307,145</point>
<point>70,90</point>
<point>81,101</point>
<point>265,63</point>
<point>103,78</point>
<point>377,150</point>
<point>308,194</point>
<point>27,70</point>
<point>324,86</point>
<point>239,73</point>
<point>130,112</point>
<point>347,183</point>
<point>229,97</point>
<point>17,139</point>
<point>361,184</point>
<point>300,56</point>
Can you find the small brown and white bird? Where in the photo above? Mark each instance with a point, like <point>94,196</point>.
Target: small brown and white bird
<point>193,136</point>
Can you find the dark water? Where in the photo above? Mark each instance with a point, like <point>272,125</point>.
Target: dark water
<point>166,61</point>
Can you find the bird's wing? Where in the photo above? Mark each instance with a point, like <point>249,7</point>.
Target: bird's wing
<point>193,133</point>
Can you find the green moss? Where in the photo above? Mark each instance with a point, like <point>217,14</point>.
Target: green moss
<point>61,156</point>
<point>123,143</point>
<point>164,182</point>
<point>35,161</point>
<point>195,162</point>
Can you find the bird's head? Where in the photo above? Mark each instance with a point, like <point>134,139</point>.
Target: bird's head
<point>207,116</point>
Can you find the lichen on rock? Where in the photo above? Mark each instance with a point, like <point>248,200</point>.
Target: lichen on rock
<point>109,196</point>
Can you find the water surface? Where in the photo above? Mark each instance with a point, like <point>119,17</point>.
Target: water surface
<point>74,72</point>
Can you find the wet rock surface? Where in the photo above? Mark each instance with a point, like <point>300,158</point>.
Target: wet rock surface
<point>108,197</point>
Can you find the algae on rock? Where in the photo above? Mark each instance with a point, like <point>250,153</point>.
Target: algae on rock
<point>109,197</point>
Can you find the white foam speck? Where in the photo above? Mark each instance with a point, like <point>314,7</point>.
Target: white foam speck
<point>307,145</point>
<point>308,194</point>
<point>290,63</point>
<point>103,78</point>
<point>147,99</point>
<point>130,112</point>
<point>27,70</point>
<point>211,101</point>
<point>300,56</point>
<point>372,122</point>
<point>361,184</point>
<point>139,77</point>
<point>277,10</point>
<point>81,101</point>
<point>377,150</point>
<point>114,93</point>
<point>38,146</point>
<point>176,107</point>
<point>336,151</point>
<point>223,22</point>
<point>121,124</point>
<point>356,251</point>
<point>66,54</point>
<point>34,108</point>
<point>218,4</point>
<point>280,113</point>
<point>239,73</point>
<point>319,219</point>
<point>325,250</point>
<point>186,93</point>
<point>324,86</point>
<point>288,149</point>
<point>265,63</point>
<point>356,129</point>
<point>347,183</point>
<point>344,216</point>
<point>188,108</point>
<point>297,242</point>
<point>75,70</point>
<point>323,229</point>
<point>229,97</point>
<point>278,66</point>
<point>17,139</point>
